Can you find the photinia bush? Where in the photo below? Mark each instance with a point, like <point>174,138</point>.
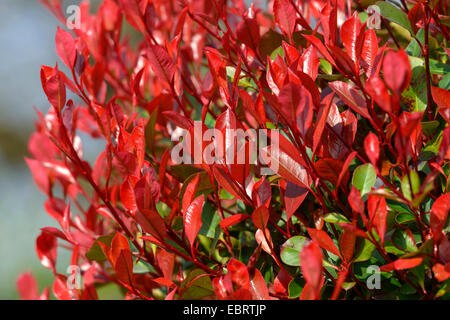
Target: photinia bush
<point>345,104</point>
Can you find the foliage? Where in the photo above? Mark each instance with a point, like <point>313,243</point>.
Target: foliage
<point>363,156</point>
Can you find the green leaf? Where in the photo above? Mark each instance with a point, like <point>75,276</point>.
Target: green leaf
<point>334,217</point>
<point>210,221</point>
<point>437,67</point>
<point>183,171</point>
<point>429,127</point>
<point>295,287</point>
<point>278,51</point>
<point>403,241</point>
<point>445,82</point>
<point>348,285</point>
<point>199,288</point>
<point>394,14</point>
<point>364,250</point>
<point>364,178</point>
<point>412,183</point>
<point>405,218</point>
<point>95,253</point>
<point>326,66</point>
<point>290,250</point>
<point>413,48</point>
<point>243,82</point>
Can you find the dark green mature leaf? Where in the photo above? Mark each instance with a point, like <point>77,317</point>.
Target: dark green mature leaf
<point>210,221</point>
<point>403,241</point>
<point>295,287</point>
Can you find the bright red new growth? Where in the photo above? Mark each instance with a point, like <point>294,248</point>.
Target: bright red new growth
<point>354,171</point>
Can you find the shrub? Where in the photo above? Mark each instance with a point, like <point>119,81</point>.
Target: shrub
<point>347,199</point>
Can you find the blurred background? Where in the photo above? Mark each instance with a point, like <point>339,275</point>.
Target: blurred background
<point>27,33</point>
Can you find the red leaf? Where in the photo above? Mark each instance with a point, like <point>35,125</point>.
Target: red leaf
<point>441,97</point>
<point>292,55</point>
<point>377,90</point>
<point>415,15</point>
<point>226,182</point>
<point>441,272</point>
<point>322,49</point>
<point>166,261</point>
<point>322,120</point>
<point>347,245</point>
<point>260,217</point>
<point>283,162</point>
<point>193,218</point>
<point>217,67</point>
<point>238,274</point>
<point>178,119</point>
<point>125,163</point>
<point>124,267</point>
<point>402,264</point>
<point>355,201</point>
<point>281,282</point>
<point>127,196</point>
<point>65,45</point>
<point>258,287</point>
<point>137,140</point>
<point>372,148</point>
<point>311,266</point>
<point>344,173</point>
<point>55,90</point>
<point>89,292</point>
<point>234,219</point>
<point>39,175</point>
<point>152,223</point>
<point>264,239</point>
<point>293,196</point>
<point>438,215</point>
<point>369,52</point>
<point>276,74</point>
<point>247,32</point>
<point>262,192</point>
<point>27,286</point>
<point>296,106</point>
<point>55,232</point>
<point>340,281</point>
<point>189,194</point>
<point>324,240</point>
<point>311,62</point>
<point>133,14</point>
<point>119,243</point>
<point>60,290</point>
<point>329,169</point>
<point>397,71</point>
